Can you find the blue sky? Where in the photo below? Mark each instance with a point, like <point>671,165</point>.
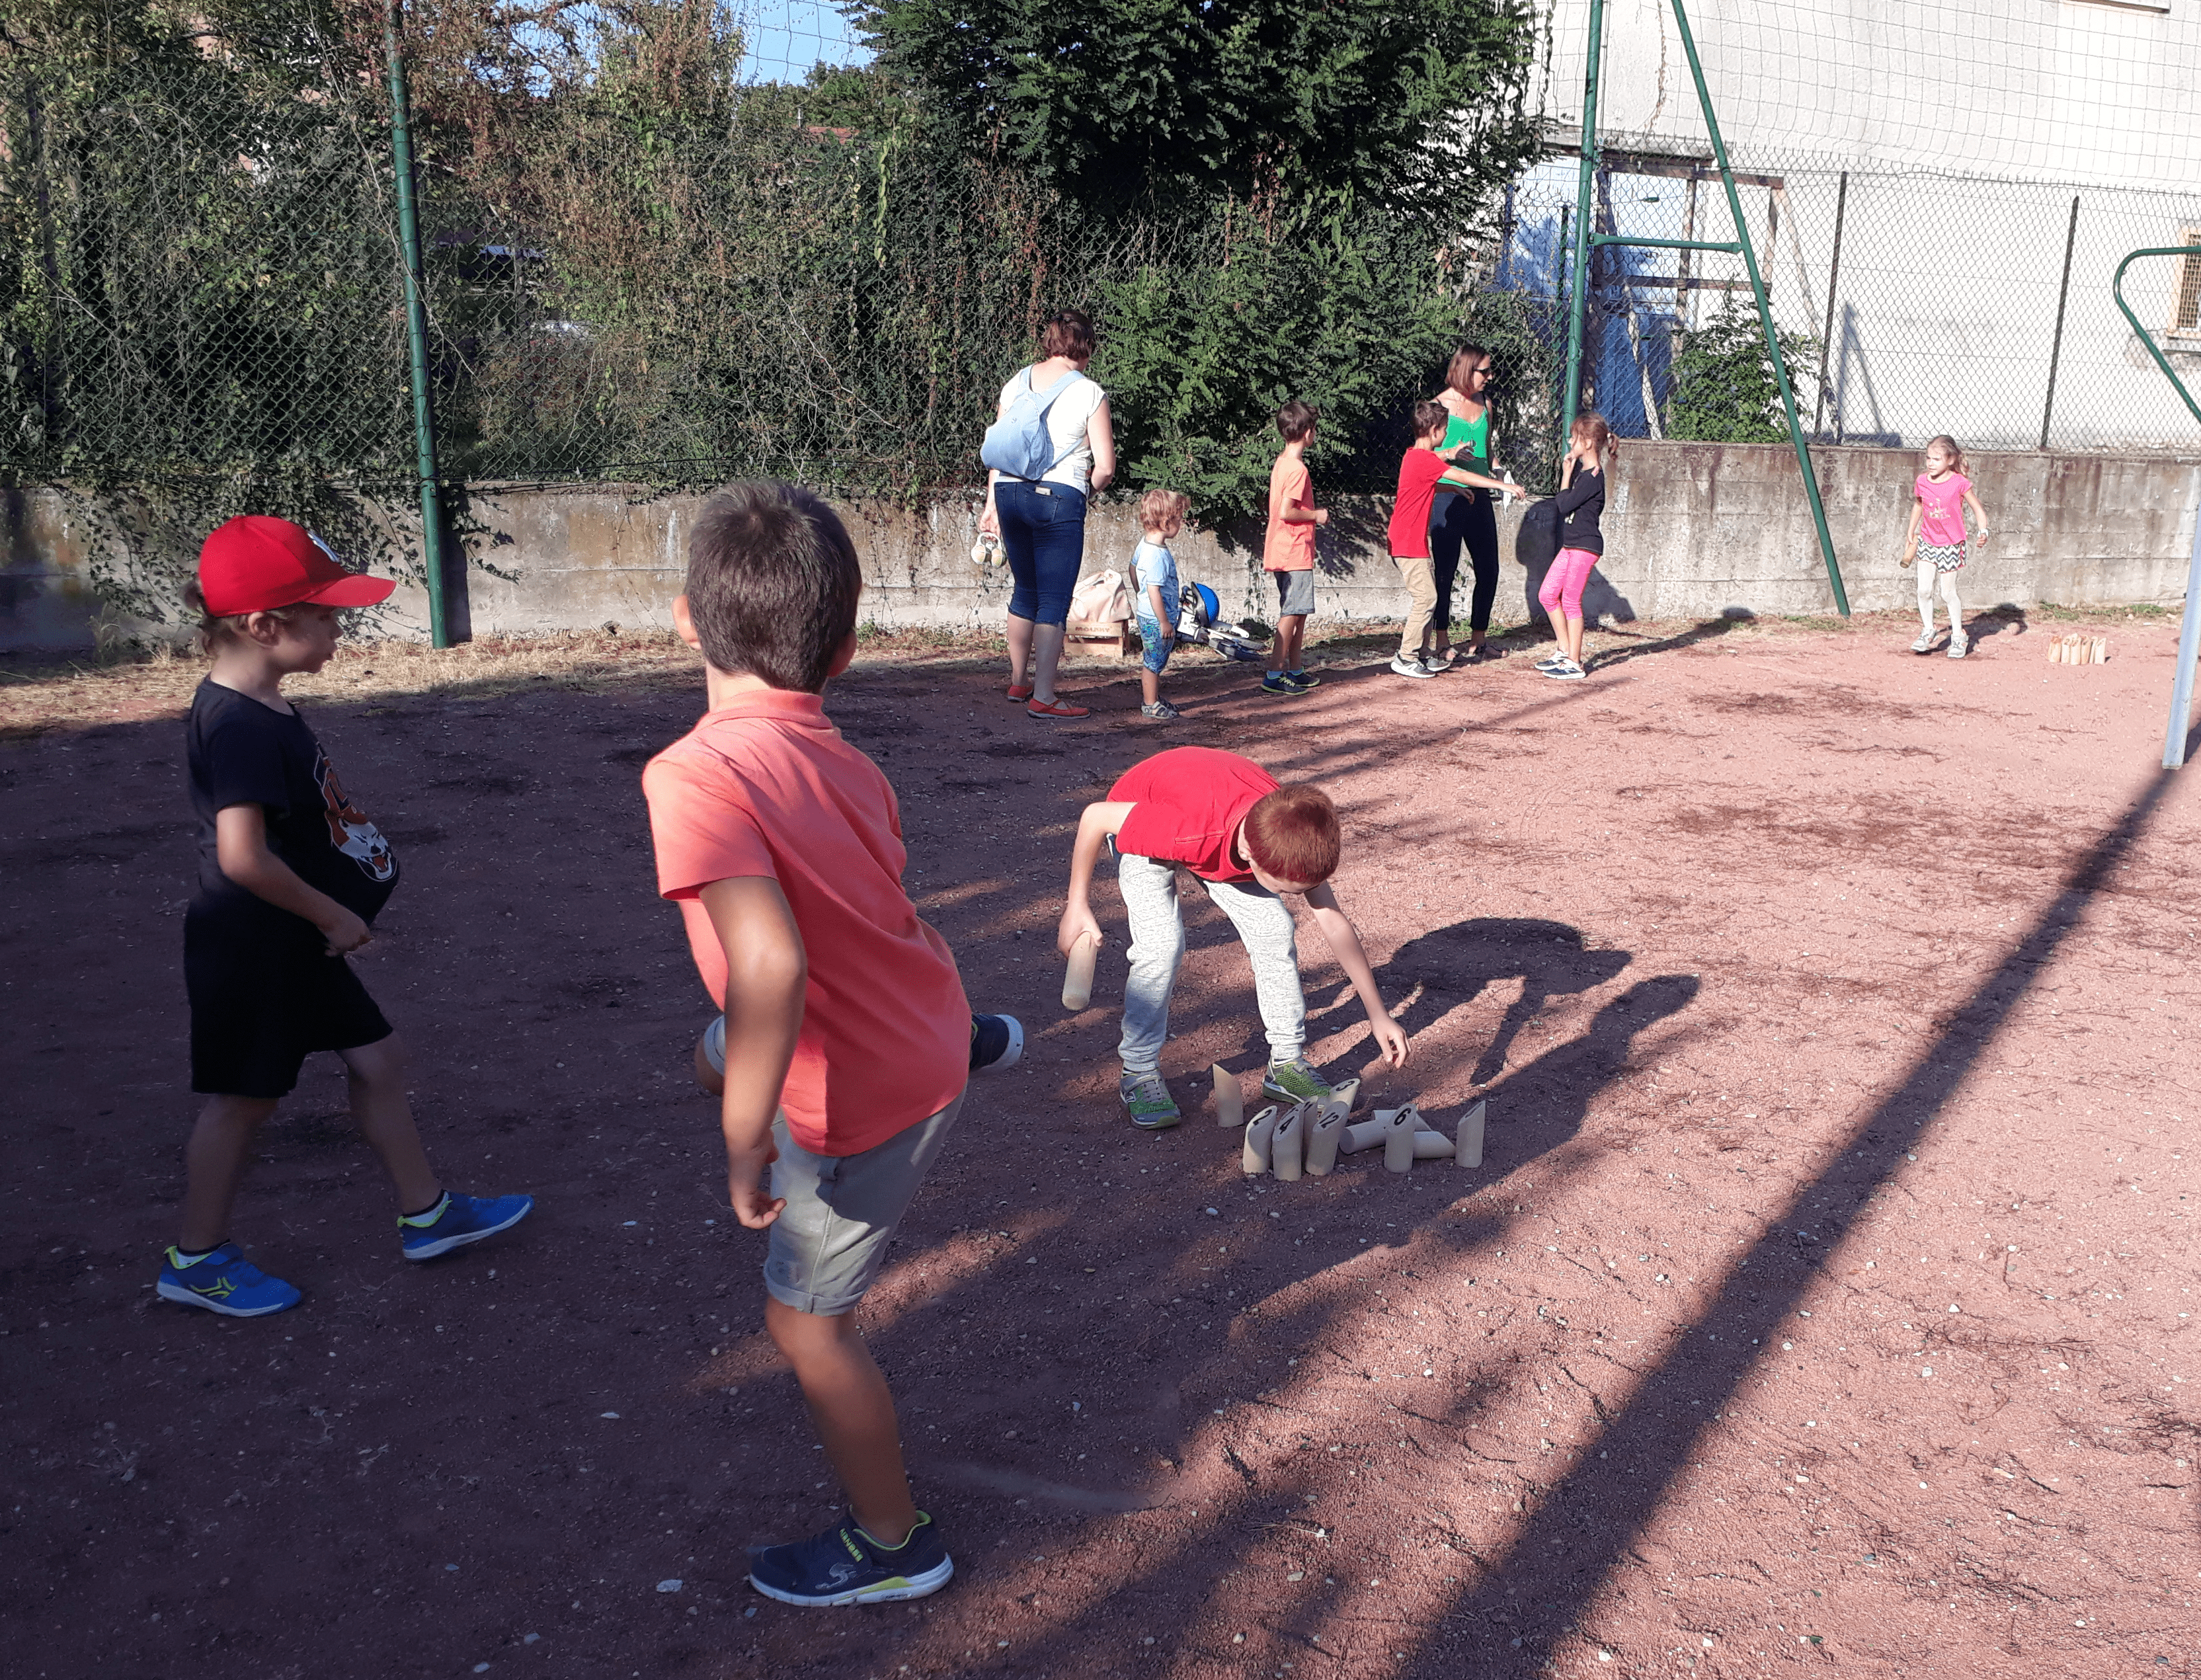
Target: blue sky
<point>787,37</point>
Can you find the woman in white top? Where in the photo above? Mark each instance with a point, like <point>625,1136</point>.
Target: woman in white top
<point>1041,522</point>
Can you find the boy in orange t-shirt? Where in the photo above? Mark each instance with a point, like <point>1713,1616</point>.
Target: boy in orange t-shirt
<point>1287,552</point>
<point>846,1036</point>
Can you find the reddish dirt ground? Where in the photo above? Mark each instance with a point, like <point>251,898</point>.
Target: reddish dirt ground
<point>1822,1302</point>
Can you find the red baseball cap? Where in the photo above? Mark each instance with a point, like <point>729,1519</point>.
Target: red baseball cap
<point>255,564</point>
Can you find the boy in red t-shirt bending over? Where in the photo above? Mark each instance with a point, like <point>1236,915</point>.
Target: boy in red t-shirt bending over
<point>847,1040</point>
<point>1250,842</point>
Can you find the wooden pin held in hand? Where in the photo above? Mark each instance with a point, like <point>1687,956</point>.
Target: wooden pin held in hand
<point>1077,977</point>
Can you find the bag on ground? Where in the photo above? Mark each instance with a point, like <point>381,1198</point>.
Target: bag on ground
<point>1100,603</point>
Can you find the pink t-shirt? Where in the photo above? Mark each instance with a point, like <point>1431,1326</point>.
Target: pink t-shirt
<point>1943,526</point>
<point>765,786</point>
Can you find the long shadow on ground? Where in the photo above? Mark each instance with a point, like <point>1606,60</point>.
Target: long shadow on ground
<point>1581,1530</point>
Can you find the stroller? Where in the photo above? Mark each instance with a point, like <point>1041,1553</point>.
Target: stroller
<point>1200,619</point>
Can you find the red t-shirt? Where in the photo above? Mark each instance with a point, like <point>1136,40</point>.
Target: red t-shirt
<point>765,786</point>
<point>1186,804</point>
<point>1418,473</point>
<point>1289,545</point>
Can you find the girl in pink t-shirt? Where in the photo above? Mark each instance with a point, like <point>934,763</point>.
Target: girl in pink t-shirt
<point>1936,539</point>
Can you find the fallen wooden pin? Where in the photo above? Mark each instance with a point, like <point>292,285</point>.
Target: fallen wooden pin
<point>2078,650</point>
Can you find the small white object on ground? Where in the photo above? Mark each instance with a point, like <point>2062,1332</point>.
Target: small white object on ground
<point>1254,1154</point>
<point>1324,1133</point>
<point>1288,1143</point>
<point>1399,1140</point>
<point>668,1586</point>
<point>1229,1100</point>
<point>1468,1146</point>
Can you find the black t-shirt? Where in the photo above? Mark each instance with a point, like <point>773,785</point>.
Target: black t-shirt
<point>241,753</point>
<point>1580,504</point>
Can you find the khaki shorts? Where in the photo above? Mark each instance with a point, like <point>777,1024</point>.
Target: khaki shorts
<point>830,1240</point>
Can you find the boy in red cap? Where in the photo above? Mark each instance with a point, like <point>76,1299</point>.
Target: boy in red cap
<point>1251,843</point>
<point>290,875</point>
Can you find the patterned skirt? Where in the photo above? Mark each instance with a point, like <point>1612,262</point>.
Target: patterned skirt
<point>1951,559</point>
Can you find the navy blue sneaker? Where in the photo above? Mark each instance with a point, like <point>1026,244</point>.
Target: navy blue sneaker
<point>457,1220</point>
<point>223,1281</point>
<point>997,1042</point>
<point>845,1565</point>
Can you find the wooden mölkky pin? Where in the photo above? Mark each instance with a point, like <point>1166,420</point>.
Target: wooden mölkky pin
<point>1229,1100</point>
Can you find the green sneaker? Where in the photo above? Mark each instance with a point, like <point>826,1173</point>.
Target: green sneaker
<point>1148,1097</point>
<point>1294,1081</point>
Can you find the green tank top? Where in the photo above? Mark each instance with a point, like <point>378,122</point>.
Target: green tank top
<point>1476,433</point>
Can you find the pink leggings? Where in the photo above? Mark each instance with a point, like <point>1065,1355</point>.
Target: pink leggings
<point>1565,582</point>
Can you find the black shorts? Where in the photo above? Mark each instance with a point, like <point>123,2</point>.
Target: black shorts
<point>260,1005</point>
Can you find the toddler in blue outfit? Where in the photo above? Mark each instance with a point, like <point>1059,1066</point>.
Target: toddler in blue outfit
<point>1155,588</point>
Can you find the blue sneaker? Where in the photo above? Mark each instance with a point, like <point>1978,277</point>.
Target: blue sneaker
<point>457,1220</point>
<point>1278,684</point>
<point>997,1042</point>
<point>223,1281</point>
<point>845,1565</point>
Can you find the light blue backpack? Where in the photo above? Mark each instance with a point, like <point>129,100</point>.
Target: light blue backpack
<point>1019,443</point>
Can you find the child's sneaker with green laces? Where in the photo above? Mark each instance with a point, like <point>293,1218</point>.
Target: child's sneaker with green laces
<point>1294,1081</point>
<point>223,1281</point>
<point>847,1565</point>
<point>1147,1095</point>
<point>456,1220</point>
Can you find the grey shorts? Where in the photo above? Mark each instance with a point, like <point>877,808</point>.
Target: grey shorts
<point>1295,593</point>
<point>830,1240</point>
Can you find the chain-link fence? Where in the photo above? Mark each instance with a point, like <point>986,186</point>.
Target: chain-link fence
<point>1911,303</point>
<point>674,252</point>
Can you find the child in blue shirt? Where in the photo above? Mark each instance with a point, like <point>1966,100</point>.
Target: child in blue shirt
<point>1154,590</point>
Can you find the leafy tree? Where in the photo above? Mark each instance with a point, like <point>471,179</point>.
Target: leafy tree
<point>1406,109</point>
<point>1724,389</point>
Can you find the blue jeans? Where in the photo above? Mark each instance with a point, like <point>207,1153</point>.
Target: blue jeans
<point>1044,535</point>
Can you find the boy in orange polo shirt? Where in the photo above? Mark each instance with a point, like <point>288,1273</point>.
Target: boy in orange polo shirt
<point>846,1038</point>
<point>1288,550</point>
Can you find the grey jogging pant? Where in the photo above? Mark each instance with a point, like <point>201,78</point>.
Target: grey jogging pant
<point>1265,928</point>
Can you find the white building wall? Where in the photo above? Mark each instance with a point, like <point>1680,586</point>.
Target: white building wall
<point>1966,127</point>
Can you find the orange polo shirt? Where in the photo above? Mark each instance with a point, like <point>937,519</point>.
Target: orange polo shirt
<point>765,786</point>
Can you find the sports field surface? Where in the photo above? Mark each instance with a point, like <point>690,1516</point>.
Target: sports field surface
<point>1822,1303</point>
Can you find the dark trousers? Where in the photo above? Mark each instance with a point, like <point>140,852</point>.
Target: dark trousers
<point>1457,519</point>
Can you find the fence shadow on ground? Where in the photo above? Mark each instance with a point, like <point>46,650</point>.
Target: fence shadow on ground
<point>1583,1528</point>
<point>1706,629</point>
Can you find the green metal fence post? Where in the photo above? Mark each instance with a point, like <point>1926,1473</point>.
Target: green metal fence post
<point>2189,619</point>
<point>1765,311</point>
<point>416,333</point>
<point>1583,192</point>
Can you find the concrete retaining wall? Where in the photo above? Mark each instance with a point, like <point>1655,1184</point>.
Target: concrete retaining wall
<point>1691,531</point>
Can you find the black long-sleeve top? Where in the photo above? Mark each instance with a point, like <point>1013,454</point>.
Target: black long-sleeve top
<point>1581,504</point>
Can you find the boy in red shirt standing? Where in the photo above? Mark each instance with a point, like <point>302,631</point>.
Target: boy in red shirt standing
<point>1250,842</point>
<point>846,1038</point>
<point>1420,472</point>
<point>1287,550</point>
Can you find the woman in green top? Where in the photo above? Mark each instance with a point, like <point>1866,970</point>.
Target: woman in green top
<point>1465,518</point>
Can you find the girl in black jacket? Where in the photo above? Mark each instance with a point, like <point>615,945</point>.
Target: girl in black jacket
<point>1581,501</point>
